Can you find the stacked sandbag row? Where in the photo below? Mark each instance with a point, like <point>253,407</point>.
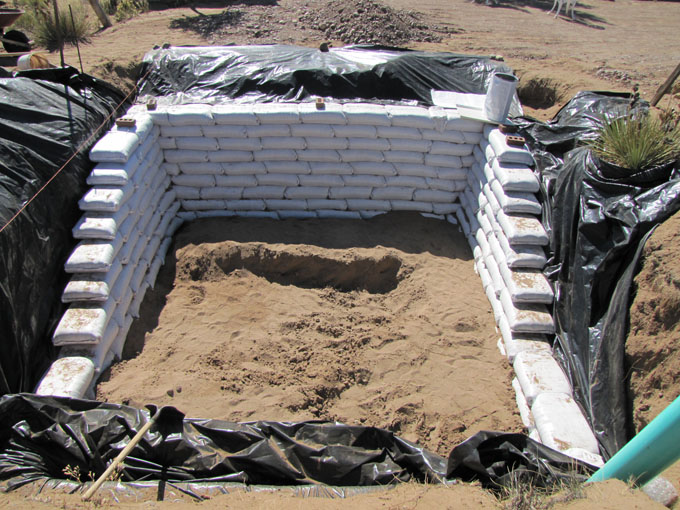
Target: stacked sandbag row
<point>304,160</point>
<point>129,218</point>
<point>501,218</point>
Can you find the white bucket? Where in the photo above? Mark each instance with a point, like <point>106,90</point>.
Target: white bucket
<point>499,96</point>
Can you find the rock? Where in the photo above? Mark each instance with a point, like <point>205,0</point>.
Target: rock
<point>661,491</point>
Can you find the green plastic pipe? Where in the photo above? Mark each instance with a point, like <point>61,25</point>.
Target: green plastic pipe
<point>644,457</point>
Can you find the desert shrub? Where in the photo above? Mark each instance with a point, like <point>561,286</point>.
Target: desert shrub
<point>125,9</point>
<point>637,142</point>
<point>38,21</point>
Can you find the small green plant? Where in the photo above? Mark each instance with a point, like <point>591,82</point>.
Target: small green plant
<point>125,9</point>
<point>38,20</point>
<point>523,492</point>
<point>636,142</point>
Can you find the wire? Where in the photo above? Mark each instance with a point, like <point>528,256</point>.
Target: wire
<point>77,151</point>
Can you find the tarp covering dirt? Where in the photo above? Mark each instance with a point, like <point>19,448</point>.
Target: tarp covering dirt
<point>599,223</point>
<point>44,117</point>
<point>290,73</point>
<point>42,436</point>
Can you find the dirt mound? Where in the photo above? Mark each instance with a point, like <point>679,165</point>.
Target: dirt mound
<point>257,319</point>
<point>653,344</point>
<point>370,22</point>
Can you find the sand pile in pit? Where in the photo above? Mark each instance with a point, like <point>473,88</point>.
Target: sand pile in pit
<point>380,322</point>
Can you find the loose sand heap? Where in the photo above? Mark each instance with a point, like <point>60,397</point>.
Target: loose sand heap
<point>380,322</point>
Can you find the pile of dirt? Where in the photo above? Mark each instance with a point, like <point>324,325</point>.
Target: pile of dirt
<point>653,344</point>
<point>381,323</point>
<point>370,22</point>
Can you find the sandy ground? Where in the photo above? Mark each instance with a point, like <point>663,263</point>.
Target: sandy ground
<point>381,322</point>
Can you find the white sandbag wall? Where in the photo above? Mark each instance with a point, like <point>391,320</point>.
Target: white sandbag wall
<point>301,161</point>
<point>501,219</point>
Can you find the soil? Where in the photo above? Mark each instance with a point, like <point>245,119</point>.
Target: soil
<point>357,322</point>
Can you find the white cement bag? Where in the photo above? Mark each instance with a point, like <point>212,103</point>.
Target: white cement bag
<point>114,174</point>
<point>515,201</point>
<point>306,192</point>
<point>235,114</point>
<point>151,249</point>
<point>100,225</point>
<point>122,283</point>
<point>151,275</point>
<point>415,170</point>
<point>526,286</point>
<point>91,287</point>
<point>446,185</point>
<point>115,146</point>
<point>231,156</point>
<point>494,272</point>
<point>352,131</point>
<point>410,116</point>
<point>166,201</point>
<point>168,217</point>
<point>522,229</point>
<point>138,276</point>
<point>331,214</point>
<point>350,192</point>
<point>319,155</point>
<point>136,303</point>
<point>530,257</point>
<point>240,181</point>
<point>215,214</point>
<point>320,180</point>
<point>202,205</point>
<point>265,192</point>
<point>246,205</point>
<point>515,177</point>
<point>319,204</point>
<point>370,144</point>
<point>520,342</point>
<point>451,149</point>
<point>93,256</point>
<point>319,143</point>
<point>374,181</point>
<point>174,225</point>
<point>393,193</point>
<point>508,153</point>
<point>407,181</point>
<point>179,131</point>
<point>278,180</point>
<point>429,195</point>
<point>402,144</point>
<point>196,143</point>
<point>277,113</point>
<point>523,406</point>
<point>196,181</point>
<point>483,242</point>
<point>186,156</point>
<point>491,198</point>
<point>526,318</point>
<point>445,209</point>
<point>190,115</point>
<point>331,114</point>
<point>128,246</point>
<point>376,169</point>
<point>296,215</point>
<point>287,167</point>
<point>186,216</point>
<point>319,168</point>
<point>163,250</point>
<point>187,192</point>
<point>170,168</point>
<point>454,174</point>
<point>307,130</point>
<point>83,324</point>
<point>253,168</point>
<point>68,376</point>
<point>400,133</point>
<point>414,158</point>
<point>151,228</point>
<point>443,136</point>
<point>283,142</point>
<point>267,215</point>
<point>464,223</point>
<point>143,127</point>
<point>409,205</point>
<point>443,161</point>
<point>167,143</point>
<point>538,372</point>
<point>285,205</point>
<point>200,168</point>
<point>239,144</point>
<point>355,204</point>
<point>106,199</point>
<point>275,155</point>
<point>368,114</point>
<point>352,156</point>
<point>139,248</point>
<point>221,193</point>
<point>561,424</point>
<point>224,131</point>
<point>479,156</point>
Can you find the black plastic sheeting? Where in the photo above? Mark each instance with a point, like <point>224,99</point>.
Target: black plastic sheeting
<point>290,73</point>
<point>40,436</point>
<point>598,226</point>
<point>44,117</point>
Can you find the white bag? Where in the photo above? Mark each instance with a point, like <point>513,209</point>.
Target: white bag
<point>273,192</point>
<point>526,318</point>
<point>296,215</point>
<point>369,144</point>
<point>430,195</point>
<point>442,208</point>
<point>408,181</point>
<point>393,193</point>
<point>230,156</point>
<point>451,149</point>
<point>283,142</point>
<point>238,181</point>
<point>190,115</point>
<point>443,161</point>
<point>522,229</point>
<point>282,130</point>
<point>319,180</point>
<point>197,181</point>
<point>373,181</point>
<point>306,192</point>
<point>515,201</point>
<point>319,155</point>
<point>252,168</point>
<point>278,180</point>
<point>356,204</point>
<point>410,116</point>
<point>446,185</point>
<point>284,205</point>
<point>224,131</point>
<point>115,146</point>
<point>400,133</point>
<point>275,155</point>
<point>353,131</point>
<point>246,205</point>
<point>332,214</point>
<point>287,167</point>
<point>83,324</point>
<point>321,143</point>
<point>409,205</point>
<point>372,168</point>
<point>93,256</point>
<point>202,205</point>
<point>91,287</point>
<point>320,168</point>
<point>350,192</point>
<point>368,114</point>
<point>331,114</point>
<point>178,131</point>
<point>187,192</point>
<point>185,156</point>
<point>415,170</point>
<point>351,156</point>
<point>306,130</point>
<point>443,136</point>
<point>196,143</point>
<point>413,158</point>
<point>201,168</point>
<point>277,113</point>
<point>508,153</point>
<point>319,204</point>
<point>235,114</point>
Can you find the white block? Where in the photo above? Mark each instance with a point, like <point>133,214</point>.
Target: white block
<point>538,373</point>
<point>285,205</point>
<point>240,144</point>
<point>318,204</point>
<point>251,168</point>
<point>353,131</point>
<point>330,114</point>
<point>185,156</point>
<point>265,192</point>
<point>526,318</point>
<point>306,192</point>
<point>222,193</point>
<point>227,156</point>
<point>561,424</point>
<point>93,256</point>
<point>234,114</point>
<point>319,155</point>
<point>326,143</point>
<point>277,113</point>
<point>400,134</point>
<point>372,168</point>
<point>237,181</point>
<point>83,323</point>
<point>318,168</point>
<point>356,204</point>
<point>190,115</point>
<point>508,153</point>
<point>115,146</point>
<point>351,156</point>
<point>69,376</point>
<point>409,205</point>
<point>416,170</point>
<point>373,181</point>
<point>368,114</point>
<point>413,158</point>
<point>196,143</point>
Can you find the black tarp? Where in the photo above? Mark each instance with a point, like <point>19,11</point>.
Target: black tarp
<point>45,115</point>
<point>292,73</point>
<point>40,436</point>
<point>598,227</point>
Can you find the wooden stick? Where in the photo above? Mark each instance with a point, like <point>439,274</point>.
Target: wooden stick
<point>121,456</point>
<point>60,40</point>
<point>101,13</point>
<point>666,85</point>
